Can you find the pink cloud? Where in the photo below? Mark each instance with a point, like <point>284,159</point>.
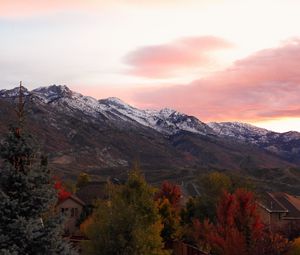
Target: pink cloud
<point>262,86</point>
<point>164,60</point>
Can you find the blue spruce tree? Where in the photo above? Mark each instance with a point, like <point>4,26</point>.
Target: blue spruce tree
<point>28,222</point>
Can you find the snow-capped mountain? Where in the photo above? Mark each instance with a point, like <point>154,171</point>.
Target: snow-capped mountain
<point>12,93</point>
<point>286,145</point>
<point>166,121</point>
<point>80,133</point>
<point>241,131</point>
<point>250,133</point>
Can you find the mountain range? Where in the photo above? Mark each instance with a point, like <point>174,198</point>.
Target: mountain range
<point>105,137</point>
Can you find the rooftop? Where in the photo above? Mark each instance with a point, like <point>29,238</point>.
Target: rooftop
<point>280,202</point>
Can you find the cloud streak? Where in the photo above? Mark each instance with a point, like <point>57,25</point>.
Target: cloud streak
<point>30,8</point>
<point>263,86</point>
<point>164,60</point>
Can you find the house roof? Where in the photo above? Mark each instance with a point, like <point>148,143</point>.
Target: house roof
<point>74,198</point>
<point>92,191</point>
<point>282,203</point>
<point>269,202</point>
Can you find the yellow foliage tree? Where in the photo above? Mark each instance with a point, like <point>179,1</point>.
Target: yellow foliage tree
<point>295,249</point>
<point>127,224</point>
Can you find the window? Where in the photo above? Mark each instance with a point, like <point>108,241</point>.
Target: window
<point>72,212</point>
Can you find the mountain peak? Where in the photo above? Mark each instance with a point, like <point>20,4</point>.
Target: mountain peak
<point>12,93</point>
<point>166,112</point>
<point>113,100</point>
<point>52,92</point>
<point>53,89</point>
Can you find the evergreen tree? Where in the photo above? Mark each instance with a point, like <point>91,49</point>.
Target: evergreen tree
<point>127,224</point>
<point>28,222</point>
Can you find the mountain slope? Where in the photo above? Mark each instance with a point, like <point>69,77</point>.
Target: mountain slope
<point>104,137</point>
<point>285,145</point>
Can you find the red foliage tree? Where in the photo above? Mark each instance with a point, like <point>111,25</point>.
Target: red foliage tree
<point>168,201</point>
<point>171,192</point>
<point>238,229</point>
<point>62,193</point>
<point>227,237</point>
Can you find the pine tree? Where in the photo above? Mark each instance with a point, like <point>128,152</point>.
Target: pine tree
<point>28,222</point>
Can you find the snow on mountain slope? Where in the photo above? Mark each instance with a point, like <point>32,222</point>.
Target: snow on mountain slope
<point>166,121</point>
<point>63,96</point>
<point>11,93</point>
<point>115,112</point>
<point>241,131</point>
<point>286,145</point>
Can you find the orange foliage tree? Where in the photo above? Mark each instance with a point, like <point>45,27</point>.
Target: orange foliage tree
<point>168,200</point>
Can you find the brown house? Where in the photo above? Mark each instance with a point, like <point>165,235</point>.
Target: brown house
<point>281,212</point>
<point>72,208</point>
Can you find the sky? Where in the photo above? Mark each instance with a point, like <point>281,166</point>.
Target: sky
<point>230,60</point>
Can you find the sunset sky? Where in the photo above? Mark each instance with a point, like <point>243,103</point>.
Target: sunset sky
<point>230,60</point>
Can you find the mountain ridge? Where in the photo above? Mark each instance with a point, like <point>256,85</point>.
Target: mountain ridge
<point>146,117</point>
<point>105,136</point>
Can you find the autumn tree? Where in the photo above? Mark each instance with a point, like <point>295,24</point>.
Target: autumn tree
<point>127,224</point>
<point>82,180</point>
<point>168,199</point>
<point>238,224</point>
<point>62,192</point>
<point>238,229</point>
<point>171,192</point>
<point>212,187</point>
<point>295,247</point>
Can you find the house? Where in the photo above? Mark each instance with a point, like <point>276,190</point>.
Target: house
<point>76,207</point>
<point>71,207</point>
<point>281,212</point>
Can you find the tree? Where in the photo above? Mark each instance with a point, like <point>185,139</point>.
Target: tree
<point>295,249</point>
<point>28,223</point>
<point>127,224</point>
<point>171,192</point>
<point>70,186</point>
<point>82,180</point>
<point>238,229</point>
<point>274,244</point>
<point>62,193</point>
<point>212,187</point>
<point>237,222</point>
<point>168,199</point>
